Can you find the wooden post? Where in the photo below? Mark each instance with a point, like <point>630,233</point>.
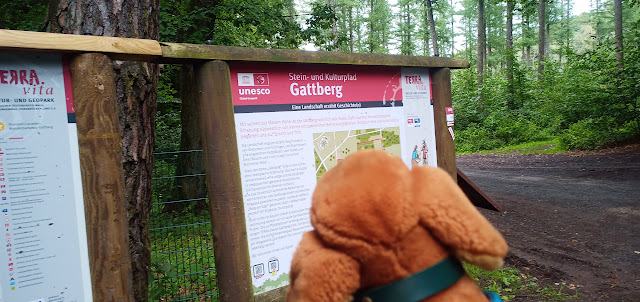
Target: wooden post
<point>445,148</point>
<point>93,83</point>
<point>222,165</point>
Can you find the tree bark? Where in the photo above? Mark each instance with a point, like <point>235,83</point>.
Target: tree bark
<point>432,29</point>
<point>617,7</point>
<point>541,37</point>
<point>481,42</point>
<point>136,86</point>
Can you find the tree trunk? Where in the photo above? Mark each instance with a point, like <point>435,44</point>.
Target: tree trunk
<point>371,44</point>
<point>334,25</point>
<point>510,51</point>
<point>547,40</point>
<point>188,185</point>
<point>432,29</point>
<point>427,48</point>
<point>488,51</point>
<point>136,86</point>
<point>481,42</point>
<point>598,22</point>
<point>541,37</point>
<point>453,33</point>
<point>617,7</point>
<point>568,33</point>
<point>351,42</point>
<point>409,43</point>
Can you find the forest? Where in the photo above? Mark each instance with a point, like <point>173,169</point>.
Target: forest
<point>541,73</point>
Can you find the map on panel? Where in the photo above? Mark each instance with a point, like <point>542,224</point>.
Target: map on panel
<point>332,147</point>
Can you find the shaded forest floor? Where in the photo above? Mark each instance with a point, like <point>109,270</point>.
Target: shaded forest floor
<point>570,218</point>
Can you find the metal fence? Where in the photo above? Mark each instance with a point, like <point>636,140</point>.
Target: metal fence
<point>182,261</point>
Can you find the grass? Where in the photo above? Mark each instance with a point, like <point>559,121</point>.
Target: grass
<point>513,285</point>
<point>541,147</point>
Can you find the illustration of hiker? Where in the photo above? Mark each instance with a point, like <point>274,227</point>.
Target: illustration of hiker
<point>424,150</point>
<point>415,157</point>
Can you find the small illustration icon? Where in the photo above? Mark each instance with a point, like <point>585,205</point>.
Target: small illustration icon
<point>5,210</point>
<point>4,198</point>
<point>258,271</point>
<point>274,266</point>
<point>261,79</point>
<point>12,283</point>
<point>1,126</point>
<point>246,80</point>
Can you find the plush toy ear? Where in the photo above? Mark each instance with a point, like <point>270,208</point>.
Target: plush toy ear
<point>321,274</point>
<point>450,216</point>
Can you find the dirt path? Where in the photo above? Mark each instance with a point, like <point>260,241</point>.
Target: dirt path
<point>569,217</point>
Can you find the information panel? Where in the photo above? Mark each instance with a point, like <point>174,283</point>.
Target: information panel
<point>296,121</point>
<point>43,254</point>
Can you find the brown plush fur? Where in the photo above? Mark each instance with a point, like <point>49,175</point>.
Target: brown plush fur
<point>376,221</point>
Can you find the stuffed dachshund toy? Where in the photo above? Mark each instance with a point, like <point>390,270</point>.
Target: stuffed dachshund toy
<point>387,233</point>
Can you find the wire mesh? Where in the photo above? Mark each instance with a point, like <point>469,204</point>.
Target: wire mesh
<point>182,261</point>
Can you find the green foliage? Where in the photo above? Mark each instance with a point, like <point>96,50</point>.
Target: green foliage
<point>168,123</point>
<point>588,102</point>
<point>594,133</point>
<point>319,27</point>
<point>497,119</point>
<point>510,283</point>
<point>23,14</point>
<point>254,23</point>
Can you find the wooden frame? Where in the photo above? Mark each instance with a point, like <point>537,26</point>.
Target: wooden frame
<point>99,143</point>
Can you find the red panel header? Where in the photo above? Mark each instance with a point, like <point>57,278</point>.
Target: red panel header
<point>287,83</point>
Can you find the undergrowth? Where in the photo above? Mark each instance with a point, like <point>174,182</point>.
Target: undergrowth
<point>512,285</point>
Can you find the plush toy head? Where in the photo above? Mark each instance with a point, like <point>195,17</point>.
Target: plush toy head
<point>376,222</point>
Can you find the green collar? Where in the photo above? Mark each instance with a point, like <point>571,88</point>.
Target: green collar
<point>418,286</point>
